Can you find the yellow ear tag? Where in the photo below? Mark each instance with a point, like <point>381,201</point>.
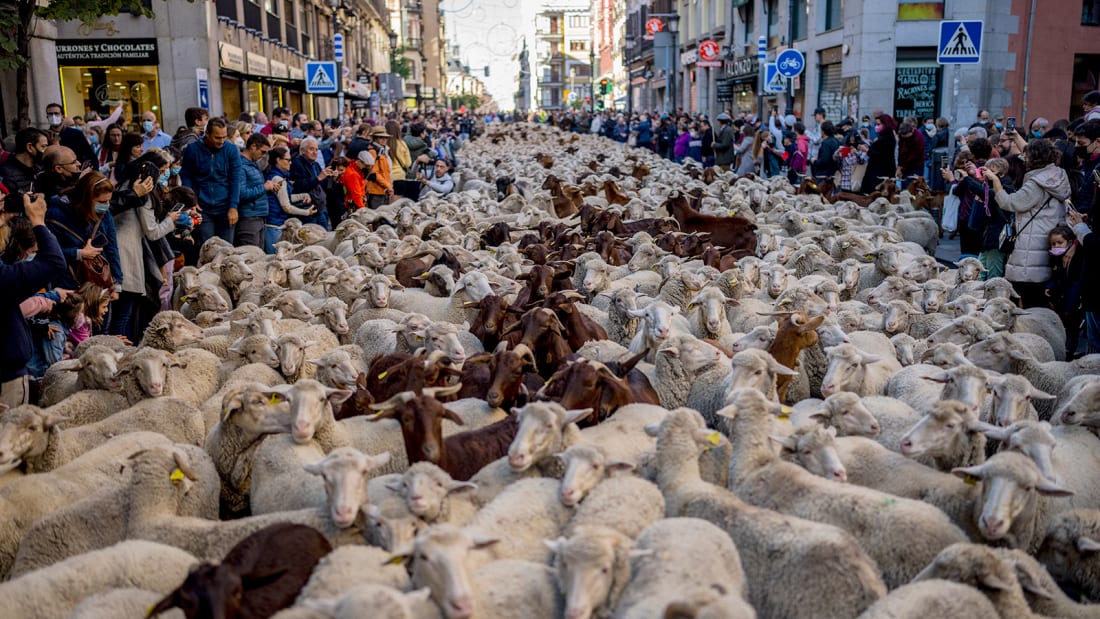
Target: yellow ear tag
<point>149,611</point>
<point>383,375</point>
<point>970,480</point>
<point>805,221</point>
<point>420,338</point>
<point>273,400</point>
<point>845,244</point>
<point>176,476</point>
<point>785,412</point>
<point>733,213</point>
<point>714,438</point>
<point>869,256</point>
<point>691,306</point>
<point>396,560</point>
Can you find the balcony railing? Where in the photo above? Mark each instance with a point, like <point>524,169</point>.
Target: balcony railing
<point>414,43</point>
<point>414,6</point>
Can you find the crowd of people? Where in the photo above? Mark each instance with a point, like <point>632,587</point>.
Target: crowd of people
<point>96,217</point>
<point>1017,198</point>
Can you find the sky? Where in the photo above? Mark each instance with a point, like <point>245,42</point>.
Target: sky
<point>491,32</point>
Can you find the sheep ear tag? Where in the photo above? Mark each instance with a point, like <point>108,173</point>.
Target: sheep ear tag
<point>970,480</point>
<point>785,413</point>
<point>384,374</point>
<point>273,400</point>
<point>714,438</point>
<point>176,476</point>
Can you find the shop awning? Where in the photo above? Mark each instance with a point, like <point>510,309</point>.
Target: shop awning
<point>297,85</point>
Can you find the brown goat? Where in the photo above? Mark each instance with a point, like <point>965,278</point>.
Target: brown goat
<point>260,576</point>
<point>796,332</point>
<point>734,233</point>
<point>396,372</point>
<point>498,377</point>
<point>492,312</point>
<point>359,402</point>
<point>578,326</point>
<point>614,194</point>
<point>461,455</point>
<point>590,384</point>
<point>541,330</point>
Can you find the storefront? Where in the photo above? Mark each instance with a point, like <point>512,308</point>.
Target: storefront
<point>740,83</point>
<point>917,79</point>
<point>830,84</point>
<point>96,75</point>
<point>231,61</point>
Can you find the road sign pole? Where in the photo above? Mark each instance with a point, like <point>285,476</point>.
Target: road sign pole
<point>338,56</point>
<point>761,55</point>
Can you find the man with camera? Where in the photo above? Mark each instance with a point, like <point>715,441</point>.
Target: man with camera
<point>19,170</point>
<point>20,281</point>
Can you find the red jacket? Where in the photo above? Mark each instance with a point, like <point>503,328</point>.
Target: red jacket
<point>911,154</point>
<point>355,185</point>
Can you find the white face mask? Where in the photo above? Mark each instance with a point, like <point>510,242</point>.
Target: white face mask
<point>54,119</point>
<point>239,141</point>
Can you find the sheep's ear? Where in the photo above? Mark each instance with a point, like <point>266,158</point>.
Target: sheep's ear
<point>1019,354</point>
<point>1031,579</point>
<point>1047,488</point>
<point>314,468</point>
<point>76,367</point>
<point>377,460</point>
<point>869,359</point>
<point>640,552</point>
<point>636,313</point>
<point>52,419</point>
<point>788,443</point>
<point>653,429</point>
<point>1036,394</point>
<point>672,352</point>
<point>460,486</point>
<point>620,465</point>
<point>170,601</point>
<point>553,544</point>
<point>480,540</point>
<point>400,555</point>
<point>1087,545</point>
<point>969,473</point>
<point>779,368</point>
<point>336,396</point>
<point>821,415</point>
<point>573,416</point>
<point>708,438</point>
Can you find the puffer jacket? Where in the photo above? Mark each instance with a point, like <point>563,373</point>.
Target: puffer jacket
<point>1030,262</point>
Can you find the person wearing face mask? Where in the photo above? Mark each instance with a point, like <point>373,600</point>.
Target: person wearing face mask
<point>881,158</point>
<point>1038,128</point>
<point>70,137</point>
<point>60,170</point>
<point>280,117</point>
<point>19,281</point>
<point>1064,290</point>
<point>82,222</point>
<point>19,170</point>
<point>151,135</point>
<point>1088,152</point>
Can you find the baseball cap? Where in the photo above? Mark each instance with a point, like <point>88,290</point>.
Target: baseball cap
<point>366,157</point>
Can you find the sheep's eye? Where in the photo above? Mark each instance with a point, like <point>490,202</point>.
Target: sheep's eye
<point>950,426</point>
<point>843,412</point>
<point>808,452</point>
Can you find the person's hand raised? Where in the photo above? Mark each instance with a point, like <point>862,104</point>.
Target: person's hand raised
<point>34,205</point>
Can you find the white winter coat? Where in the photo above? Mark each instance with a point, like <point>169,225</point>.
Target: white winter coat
<point>1030,261</point>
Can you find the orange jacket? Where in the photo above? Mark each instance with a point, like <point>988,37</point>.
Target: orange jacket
<point>383,179</point>
<point>355,185</point>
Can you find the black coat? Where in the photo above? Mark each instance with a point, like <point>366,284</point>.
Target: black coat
<point>19,282</point>
<point>880,161</point>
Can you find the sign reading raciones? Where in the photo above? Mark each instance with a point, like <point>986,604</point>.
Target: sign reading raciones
<point>112,52</point>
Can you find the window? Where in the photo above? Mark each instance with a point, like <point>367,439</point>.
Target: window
<point>773,22</point>
<point>578,21</point>
<point>271,6</point>
<point>1090,13</point>
<point>748,19</point>
<point>834,14</point>
<point>800,17</point>
<point>289,12</point>
<point>577,46</point>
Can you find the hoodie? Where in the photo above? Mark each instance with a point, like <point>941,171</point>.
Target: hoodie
<point>1039,205</point>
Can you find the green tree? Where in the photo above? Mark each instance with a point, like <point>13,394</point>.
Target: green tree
<point>17,21</point>
<point>399,64</point>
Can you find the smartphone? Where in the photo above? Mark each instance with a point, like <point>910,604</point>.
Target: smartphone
<point>177,208</point>
<point>1011,122</point>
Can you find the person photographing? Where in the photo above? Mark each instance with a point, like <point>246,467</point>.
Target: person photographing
<point>438,184</point>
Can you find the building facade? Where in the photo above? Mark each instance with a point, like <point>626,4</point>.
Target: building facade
<point>229,56</point>
<point>563,55</point>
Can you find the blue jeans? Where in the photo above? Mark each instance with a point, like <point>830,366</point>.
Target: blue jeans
<point>1092,331</point>
<point>211,226</point>
<point>271,236</point>
<point>123,312</point>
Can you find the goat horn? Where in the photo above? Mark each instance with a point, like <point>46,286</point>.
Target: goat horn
<point>435,392</point>
<point>391,403</point>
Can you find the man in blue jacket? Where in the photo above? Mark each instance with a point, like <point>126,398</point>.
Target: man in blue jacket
<point>20,281</point>
<point>212,169</point>
<point>253,206</point>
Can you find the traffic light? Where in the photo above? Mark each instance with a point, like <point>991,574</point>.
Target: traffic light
<point>588,99</point>
<point>605,86</point>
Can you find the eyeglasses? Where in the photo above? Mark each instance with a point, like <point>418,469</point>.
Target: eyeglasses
<point>284,159</point>
<point>69,162</point>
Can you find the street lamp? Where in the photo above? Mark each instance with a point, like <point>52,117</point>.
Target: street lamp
<point>630,45</point>
<point>673,28</point>
<point>592,77</point>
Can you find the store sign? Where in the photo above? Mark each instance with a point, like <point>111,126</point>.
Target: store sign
<point>709,51</point>
<point>257,64</point>
<point>231,57</point>
<point>652,27</point>
<point>916,91</point>
<point>279,69</point>
<point>112,53</point>
<point>296,73</point>
<point>724,90</point>
<point>745,66</point>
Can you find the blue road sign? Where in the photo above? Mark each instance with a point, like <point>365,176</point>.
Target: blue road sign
<point>321,77</point>
<point>773,79</point>
<point>960,42</point>
<point>790,62</point>
<point>202,77</point>
<point>338,47</point>
<point>762,48</point>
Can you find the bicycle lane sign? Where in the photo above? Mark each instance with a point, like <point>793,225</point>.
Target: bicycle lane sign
<point>790,63</point>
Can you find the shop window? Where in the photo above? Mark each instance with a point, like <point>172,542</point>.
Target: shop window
<point>577,46</point>
<point>231,98</point>
<point>99,89</point>
<point>1090,13</point>
<point>255,92</point>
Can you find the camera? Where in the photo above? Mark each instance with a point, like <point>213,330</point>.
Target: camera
<point>13,202</point>
<point>184,224</point>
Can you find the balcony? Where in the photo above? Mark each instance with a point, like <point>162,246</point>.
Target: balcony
<point>414,6</point>
<point>412,43</point>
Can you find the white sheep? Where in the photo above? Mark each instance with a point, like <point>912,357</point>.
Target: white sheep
<point>659,320</point>
<point>95,369</point>
<point>625,503</point>
<point>707,316</point>
<point>1069,550</point>
<point>932,598</point>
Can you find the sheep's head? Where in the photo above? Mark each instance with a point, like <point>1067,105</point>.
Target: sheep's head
<point>310,406</point>
<point>846,412</point>
<point>939,433</point>
<point>540,432</point>
<point>256,349</point>
<point>173,330</point>
<point>439,558</point>
<point>254,411</point>
<point>98,368</point>
<point>426,488</point>
<point>149,366</point>
<point>1011,483</point>
<point>814,448</point>
<point>346,471</point>
<point>592,568</point>
<point>1012,397</point>
<point>24,433</point>
<point>585,466</point>
<point>336,369</point>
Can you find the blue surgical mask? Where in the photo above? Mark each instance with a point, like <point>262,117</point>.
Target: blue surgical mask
<point>164,178</point>
<point>284,124</point>
<point>29,257</point>
<point>930,127</point>
<point>147,125</point>
<point>93,139</point>
<point>102,207</point>
<point>998,124</point>
<point>175,170</point>
<point>1037,134</point>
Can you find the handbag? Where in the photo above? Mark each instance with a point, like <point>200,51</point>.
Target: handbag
<point>1009,235</point>
<point>95,270</point>
<point>950,216</point>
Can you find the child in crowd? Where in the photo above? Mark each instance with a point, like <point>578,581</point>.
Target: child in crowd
<point>853,153</point>
<point>986,217</point>
<point>1066,280</point>
<point>51,331</point>
<point>96,302</point>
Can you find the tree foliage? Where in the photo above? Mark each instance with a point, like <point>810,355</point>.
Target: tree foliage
<point>399,64</point>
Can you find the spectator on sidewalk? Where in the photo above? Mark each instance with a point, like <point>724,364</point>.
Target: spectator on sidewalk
<point>212,169</point>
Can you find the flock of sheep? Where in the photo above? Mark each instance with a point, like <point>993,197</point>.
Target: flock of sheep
<point>517,402</point>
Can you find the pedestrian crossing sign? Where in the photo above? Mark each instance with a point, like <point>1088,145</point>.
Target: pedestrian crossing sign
<point>960,42</point>
<point>321,77</point>
<point>773,80</point>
